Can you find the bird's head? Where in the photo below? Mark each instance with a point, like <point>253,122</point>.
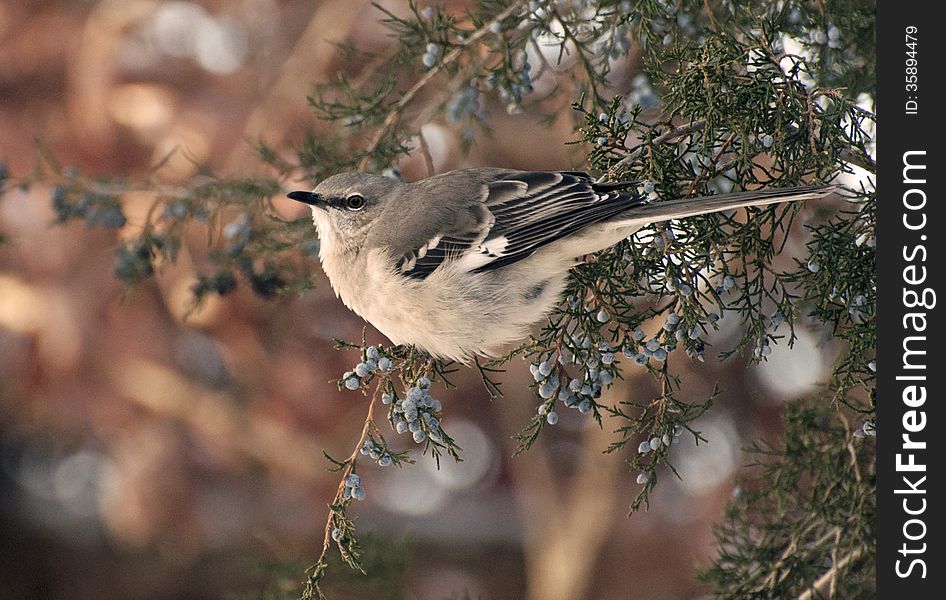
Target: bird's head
<point>344,206</point>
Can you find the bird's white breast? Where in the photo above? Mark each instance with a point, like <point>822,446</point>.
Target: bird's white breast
<point>450,314</point>
<point>455,313</point>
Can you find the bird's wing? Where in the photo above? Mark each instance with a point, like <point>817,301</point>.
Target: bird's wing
<point>519,213</point>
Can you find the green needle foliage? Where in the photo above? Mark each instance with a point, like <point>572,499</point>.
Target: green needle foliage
<point>730,95</point>
<point>804,526</point>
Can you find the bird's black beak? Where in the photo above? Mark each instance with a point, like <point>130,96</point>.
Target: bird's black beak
<point>309,198</point>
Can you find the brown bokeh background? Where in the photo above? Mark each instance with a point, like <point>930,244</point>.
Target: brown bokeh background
<point>149,451</point>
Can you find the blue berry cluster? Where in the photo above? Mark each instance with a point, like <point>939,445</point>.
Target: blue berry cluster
<point>416,412</point>
<point>594,358</point>
<point>858,308</point>
<point>683,288</point>
<point>542,373</point>
<point>656,442</point>
<point>551,417</point>
<point>222,282</point>
<point>237,233</point>
<point>581,393</point>
<point>463,104</point>
<point>648,186</point>
<point>615,43</point>
<point>177,209</point>
<point>353,488</point>
<point>728,283</point>
<point>597,362</point>
<point>673,332</point>
<point>373,363</point>
<point>431,55</point>
<point>597,365</point>
<point>376,452</point>
<point>519,85</point>
<point>96,208</point>
<point>134,261</point>
<point>830,37</point>
<point>265,281</point>
<point>763,348</point>
<point>545,375</point>
<point>642,94</point>
<point>643,351</point>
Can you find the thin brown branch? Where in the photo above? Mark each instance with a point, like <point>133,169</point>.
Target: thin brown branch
<point>852,452</point>
<point>339,492</point>
<point>425,150</point>
<point>672,135</point>
<point>858,157</point>
<point>714,25</point>
<point>589,68</point>
<point>715,166</point>
<point>818,587</point>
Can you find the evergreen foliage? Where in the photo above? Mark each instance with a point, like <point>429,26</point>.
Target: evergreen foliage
<point>730,95</point>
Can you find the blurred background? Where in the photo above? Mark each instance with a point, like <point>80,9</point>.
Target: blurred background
<point>150,451</point>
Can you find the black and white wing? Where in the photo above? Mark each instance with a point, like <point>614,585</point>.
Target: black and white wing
<point>520,213</point>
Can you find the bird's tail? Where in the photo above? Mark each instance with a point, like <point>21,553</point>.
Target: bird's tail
<point>688,207</point>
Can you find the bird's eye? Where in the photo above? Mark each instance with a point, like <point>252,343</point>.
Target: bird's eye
<point>355,202</point>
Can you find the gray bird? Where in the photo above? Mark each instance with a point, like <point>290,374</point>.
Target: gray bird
<point>463,263</point>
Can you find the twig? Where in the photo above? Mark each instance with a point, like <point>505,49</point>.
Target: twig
<point>832,589</point>
<point>668,136</point>
<point>395,115</point>
<point>810,111</point>
<point>425,150</point>
<point>545,66</point>
<point>580,50</point>
<point>709,15</point>
<point>319,565</point>
<point>858,157</point>
<point>818,586</point>
<point>703,175</point>
<point>852,452</point>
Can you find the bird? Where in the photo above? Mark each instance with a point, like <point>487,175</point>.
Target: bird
<point>464,263</point>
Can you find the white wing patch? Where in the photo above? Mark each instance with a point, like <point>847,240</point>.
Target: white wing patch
<point>494,246</point>
<point>483,254</point>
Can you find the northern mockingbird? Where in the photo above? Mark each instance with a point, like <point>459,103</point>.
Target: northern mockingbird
<point>461,264</point>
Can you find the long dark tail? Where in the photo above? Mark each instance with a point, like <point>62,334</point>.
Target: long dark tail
<point>689,207</point>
